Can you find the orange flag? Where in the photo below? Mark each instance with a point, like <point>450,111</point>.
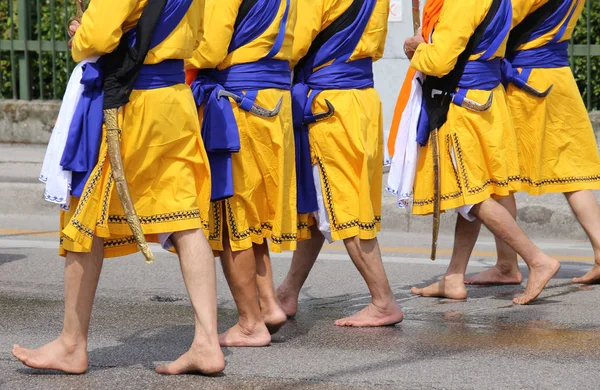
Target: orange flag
<point>431,14</point>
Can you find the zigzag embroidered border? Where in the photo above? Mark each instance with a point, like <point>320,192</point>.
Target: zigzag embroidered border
<point>331,210</point>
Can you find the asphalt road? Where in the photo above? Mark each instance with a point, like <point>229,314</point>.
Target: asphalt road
<point>142,317</point>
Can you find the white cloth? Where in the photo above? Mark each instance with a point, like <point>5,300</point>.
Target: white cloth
<point>58,181</point>
<point>401,178</point>
<point>321,216</point>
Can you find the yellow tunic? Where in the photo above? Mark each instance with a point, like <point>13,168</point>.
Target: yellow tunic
<point>478,151</point>
<point>348,147</point>
<point>264,172</point>
<point>557,146</point>
<point>163,156</point>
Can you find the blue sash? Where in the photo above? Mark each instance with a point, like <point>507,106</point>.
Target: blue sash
<point>308,83</point>
<point>85,133</point>
<point>220,131</point>
<point>483,73</point>
<point>552,55</point>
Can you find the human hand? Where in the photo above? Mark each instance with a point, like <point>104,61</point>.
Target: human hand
<point>411,44</point>
<point>73,26</point>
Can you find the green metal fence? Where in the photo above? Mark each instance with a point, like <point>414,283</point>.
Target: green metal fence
<point>35,62</point>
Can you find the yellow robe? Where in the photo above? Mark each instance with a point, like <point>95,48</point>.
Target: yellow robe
<point>348,147</point>
<point>264,172</point>
<point>478,151</point>
<point>557,146</point>
<point>164,159</point>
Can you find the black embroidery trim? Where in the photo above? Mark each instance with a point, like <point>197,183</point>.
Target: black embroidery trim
<point>159,218</point>
<point>329,204</point>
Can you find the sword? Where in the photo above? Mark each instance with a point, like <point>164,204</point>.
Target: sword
<point>118,173</point>
<point>255,109</point>
<point>535,92</point>
<point>435,148</point>
<point>478,107</point>
<point>321,116</point>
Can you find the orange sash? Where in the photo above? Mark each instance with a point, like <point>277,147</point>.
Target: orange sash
<point>431,14</point>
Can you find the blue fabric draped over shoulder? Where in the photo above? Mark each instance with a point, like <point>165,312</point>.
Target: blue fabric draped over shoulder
<point>484,73</point>
<point>220,131</point>
<point>308,83</point>
<point>552,55</point>
<point>85,133</point>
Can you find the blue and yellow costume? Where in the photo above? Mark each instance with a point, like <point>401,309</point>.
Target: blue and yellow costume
<point>245,50</point>
<point>164,159</point>
<point>478,150</point>
<point>335,45</point>
<point>557,146</point>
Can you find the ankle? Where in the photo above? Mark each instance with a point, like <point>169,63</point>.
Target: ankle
<point>507,267</point>
<point>250,327</point>
<point>384,302</point>
<point>268,303</point>
<point>454,277</point>
<point>73,344</point>
<point>290,288</point>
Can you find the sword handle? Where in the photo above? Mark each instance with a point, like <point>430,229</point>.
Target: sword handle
<point>416,15</point>
<point>80,4</point>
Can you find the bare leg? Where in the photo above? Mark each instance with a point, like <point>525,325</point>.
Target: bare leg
<point>198,269</point>
<point>240,271</point>
<point>452,284</point>
<point>506,270</point>
<point>68,353</point>
<point>383,309</point>
<point>273,314</point>
<point>302,262</point>
<point>541,267</point>
<point>587,211</point>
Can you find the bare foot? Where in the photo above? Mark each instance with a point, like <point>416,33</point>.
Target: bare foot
<point>56,355</point>
<point>591,277</point>
<point>288,300</point>
<point>451,286</point>
<point>496,276</point>
<point>539,276</point>
<point>237,336</point>
<point>374,316</point>
<point>274,317</point>
<point>203,359</point>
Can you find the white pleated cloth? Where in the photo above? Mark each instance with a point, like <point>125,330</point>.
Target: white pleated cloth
<point>57,180</point>
<point>401,178</point>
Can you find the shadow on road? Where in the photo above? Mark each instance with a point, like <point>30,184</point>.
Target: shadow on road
<point>10,257</point>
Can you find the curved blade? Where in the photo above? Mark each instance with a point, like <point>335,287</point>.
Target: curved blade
<point>535,92</point>
<point>255,109</point>
<point>264,113</point>
<point>321,116</point>
<point>474,106</point>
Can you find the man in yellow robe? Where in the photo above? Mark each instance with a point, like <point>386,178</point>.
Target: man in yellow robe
<point>339,142</point>
<point>557,146</point>
<point>477,142</point>
<point>241,79</point>
<point>166,167</point>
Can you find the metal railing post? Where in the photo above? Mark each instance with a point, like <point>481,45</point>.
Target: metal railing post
<point>589,55</point>
<point>24,60</point>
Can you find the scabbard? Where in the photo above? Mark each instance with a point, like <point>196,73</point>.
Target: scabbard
<point>113,143</point>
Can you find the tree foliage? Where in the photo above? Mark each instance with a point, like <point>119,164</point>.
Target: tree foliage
<point>580,64</point>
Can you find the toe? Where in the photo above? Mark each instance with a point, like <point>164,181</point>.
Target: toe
<point>163,370</point>
<point>416,291</point>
